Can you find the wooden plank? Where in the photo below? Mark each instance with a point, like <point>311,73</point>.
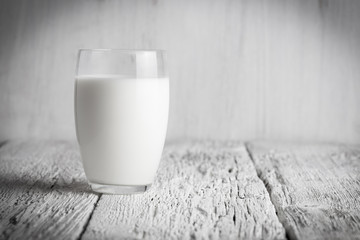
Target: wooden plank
<point>203,190</point>
<point>315,188</point>
<point>43,191</point>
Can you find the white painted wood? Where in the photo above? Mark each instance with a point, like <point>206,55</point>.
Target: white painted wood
<point>315,188</point>
<point>239,69</point>
<point>203,190</point>
<point>43,191</point>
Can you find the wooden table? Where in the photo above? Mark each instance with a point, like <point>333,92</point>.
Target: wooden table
<point>203,190</point>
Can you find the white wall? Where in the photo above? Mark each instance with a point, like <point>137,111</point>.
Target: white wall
<point>239,69</point>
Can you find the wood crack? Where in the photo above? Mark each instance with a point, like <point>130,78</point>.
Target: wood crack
<point>287,234</point>
<point>90,217</point>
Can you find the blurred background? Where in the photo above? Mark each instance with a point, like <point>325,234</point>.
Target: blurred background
<point>239,69</point>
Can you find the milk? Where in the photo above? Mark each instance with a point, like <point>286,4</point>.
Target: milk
<point>121,126</point>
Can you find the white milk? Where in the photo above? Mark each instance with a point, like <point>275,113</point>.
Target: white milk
<point>121,127</point>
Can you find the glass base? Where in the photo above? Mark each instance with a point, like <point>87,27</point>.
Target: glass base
<point>119,189</point>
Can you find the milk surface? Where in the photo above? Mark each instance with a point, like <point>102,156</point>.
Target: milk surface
<point>121,126</point>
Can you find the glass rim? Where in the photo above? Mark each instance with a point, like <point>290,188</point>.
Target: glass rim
<point>134,50</point>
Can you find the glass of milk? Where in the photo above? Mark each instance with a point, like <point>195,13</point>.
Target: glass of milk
<point>121,113</point>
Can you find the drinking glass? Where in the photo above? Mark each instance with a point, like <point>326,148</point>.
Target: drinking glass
<point>121,114</point>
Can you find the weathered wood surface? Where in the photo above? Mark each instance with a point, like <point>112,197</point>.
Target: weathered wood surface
<point>43,191</point>
<point>315,188</point>
<point>202,191</point>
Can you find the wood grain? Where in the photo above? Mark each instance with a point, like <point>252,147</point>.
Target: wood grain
<point>238,69</point>
<point>43,191</point>
<point>314,187</point>
<point>203,190</point>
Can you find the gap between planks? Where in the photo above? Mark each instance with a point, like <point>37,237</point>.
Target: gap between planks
<point>90,217</point>
<point>246,144</point>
